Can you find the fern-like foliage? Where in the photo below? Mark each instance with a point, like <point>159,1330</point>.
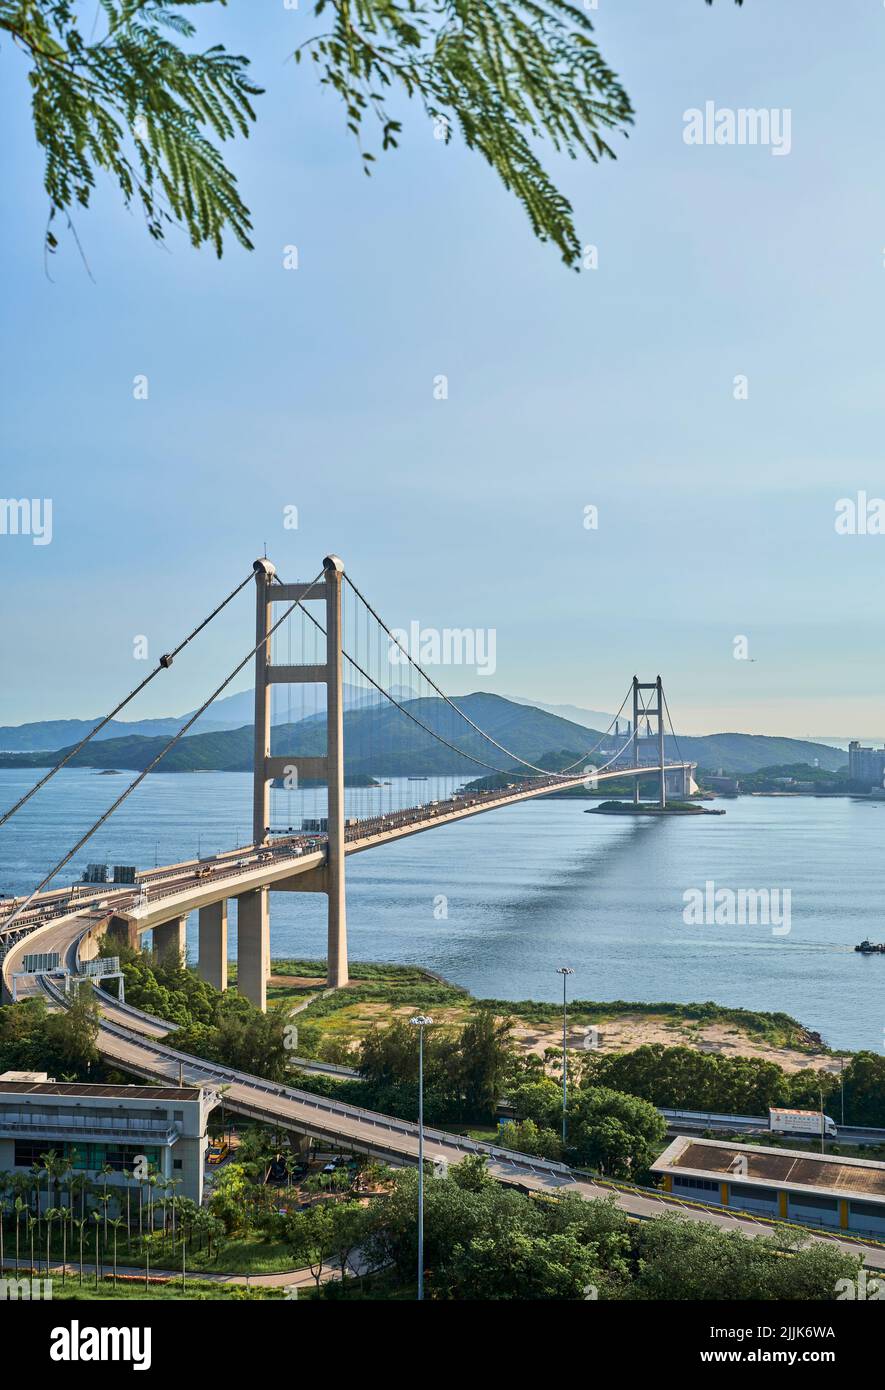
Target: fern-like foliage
<point>138,105</point>
<point>134,102</point>
<point>505,73</point>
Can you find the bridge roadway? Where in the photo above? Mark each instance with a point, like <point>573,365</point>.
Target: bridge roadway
<point>172,890</point>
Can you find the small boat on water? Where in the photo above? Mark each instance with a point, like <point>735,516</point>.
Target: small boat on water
<point>871,948</point>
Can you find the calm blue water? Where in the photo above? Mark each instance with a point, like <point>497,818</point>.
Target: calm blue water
<point>534,886</point>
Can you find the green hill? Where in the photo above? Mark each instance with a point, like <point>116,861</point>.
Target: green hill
<point>381,739</point>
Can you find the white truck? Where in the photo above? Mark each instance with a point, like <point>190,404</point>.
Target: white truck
<point>808,1122</point>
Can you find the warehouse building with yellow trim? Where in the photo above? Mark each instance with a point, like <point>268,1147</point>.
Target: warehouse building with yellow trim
<point>838,1193</point>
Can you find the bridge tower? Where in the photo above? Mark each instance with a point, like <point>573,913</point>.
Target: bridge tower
<point>329,768</point>
<point>649,706</point>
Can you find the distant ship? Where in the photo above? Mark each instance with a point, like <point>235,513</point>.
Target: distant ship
<point>871,948</point>
<point>417,779</point>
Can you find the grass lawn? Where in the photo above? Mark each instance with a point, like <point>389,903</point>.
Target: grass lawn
<point>247,1253</point>
<point>135,1291</point>
<point>372,1286</point>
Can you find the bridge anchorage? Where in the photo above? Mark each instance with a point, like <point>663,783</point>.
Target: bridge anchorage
<point>416,727</point>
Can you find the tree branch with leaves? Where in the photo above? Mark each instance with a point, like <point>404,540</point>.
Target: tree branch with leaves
<point>140,106</point>
<point>143,104</point>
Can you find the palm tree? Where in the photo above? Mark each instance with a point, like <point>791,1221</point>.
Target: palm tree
<point>72,1161</point>
<point>68,1173</point>
<point>171,1184</point>
<point>36,1171</point>
<point>18,1207</point>
<point>183,1257</point>
<point>162,1203</point>
<point>153,1180</point>
<point>81,1185</point>
<point>116,1222</point>
<point>96,1216</point>
<point>104,1199</point>
<point>32,1222</point>
<point>54,1166</point>
<point>66,1215</point>
<point>5,1186</point>
<point>51,1213</point>
<point>128,1176</point>
<point>106,1171</point>
<point>81,1227</point>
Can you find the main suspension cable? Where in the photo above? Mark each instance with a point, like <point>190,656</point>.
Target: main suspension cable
<point>408,713</point>
<point>7,922</point>
<point>163,664</point>
<point>672,728</point>
<point>545,771</point>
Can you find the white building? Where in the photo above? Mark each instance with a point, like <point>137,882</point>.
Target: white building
<point>95,1126</point>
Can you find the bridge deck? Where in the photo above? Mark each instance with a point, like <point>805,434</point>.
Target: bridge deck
<point>173,890</point>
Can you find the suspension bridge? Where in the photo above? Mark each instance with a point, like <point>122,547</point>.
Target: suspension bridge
<point>52,935</point>
<point>357,724</point>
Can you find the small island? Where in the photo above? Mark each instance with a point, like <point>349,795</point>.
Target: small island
<point>646,808</point>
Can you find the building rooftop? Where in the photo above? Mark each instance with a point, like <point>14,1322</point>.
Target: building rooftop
<point>789,1168</point>
<point>87,1092</point>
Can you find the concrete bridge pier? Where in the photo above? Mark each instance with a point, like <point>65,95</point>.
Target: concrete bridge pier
<point>336,949</point>
<point>253,946</point>
<point>124,931</point>
<point>170,934</point>
<point>212,963</point>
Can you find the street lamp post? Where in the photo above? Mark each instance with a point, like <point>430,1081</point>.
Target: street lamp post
<point>421,1021</point>
<point>564,971</point>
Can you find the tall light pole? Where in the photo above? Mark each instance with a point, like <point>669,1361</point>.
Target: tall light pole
<point>564,971</point>
<point>421,1021</point>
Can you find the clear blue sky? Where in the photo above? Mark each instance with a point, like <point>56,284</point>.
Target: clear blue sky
<point>612,388</point>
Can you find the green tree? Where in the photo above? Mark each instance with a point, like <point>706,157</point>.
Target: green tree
<point>464,1072</point>
<point>71,1034</point>
<point>517,1265</point>
<point>865,1089</point>
<point>684,1078</point>
<point>617,1133</point>
<point>465,1205</point>
<point>485,1050</point>
<point>539,1101</point>
<point>527,1138</point>
<point>140,100</point>
<point>228,1200</point>
<point>690,1260</point>
<point>312,1235</point>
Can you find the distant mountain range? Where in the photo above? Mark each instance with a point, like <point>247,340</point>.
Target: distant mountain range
<point>588,718</point>
<point>380,740</point>
<point>230,712</point>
